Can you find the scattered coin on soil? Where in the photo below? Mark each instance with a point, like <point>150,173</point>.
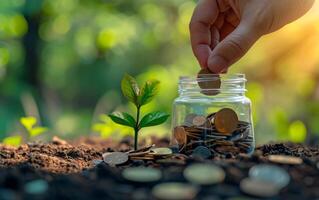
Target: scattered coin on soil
<point>226,121</point>
<point>259,188</point>
<point>270,173</point>
<point>142,174</point>
<point>204,174</point>
<point>36,187</point>
<point>115,158</point>
<point>174,191</point>
<point>283,159</point>
<point>162,151</point>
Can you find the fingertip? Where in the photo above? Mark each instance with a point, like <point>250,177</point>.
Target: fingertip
<point>202,53</point>
<point>217,64</point>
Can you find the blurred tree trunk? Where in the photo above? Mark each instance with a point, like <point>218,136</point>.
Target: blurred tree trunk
<point>31,42</point>
<point>31,68</point>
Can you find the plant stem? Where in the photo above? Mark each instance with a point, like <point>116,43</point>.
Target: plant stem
<point>136,129</point>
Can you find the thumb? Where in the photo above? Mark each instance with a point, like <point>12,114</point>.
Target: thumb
<point>232,48</point>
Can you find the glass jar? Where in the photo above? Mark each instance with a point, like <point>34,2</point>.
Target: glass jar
<point>215,119</point>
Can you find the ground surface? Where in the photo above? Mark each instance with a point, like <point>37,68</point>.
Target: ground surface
<point>62,170</point>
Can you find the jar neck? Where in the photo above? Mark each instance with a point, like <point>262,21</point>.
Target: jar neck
<point>230,85</point>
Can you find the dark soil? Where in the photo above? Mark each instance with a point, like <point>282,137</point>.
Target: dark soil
<point>75,171</point>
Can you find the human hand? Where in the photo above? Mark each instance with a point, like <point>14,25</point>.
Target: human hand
<point>222,31</point>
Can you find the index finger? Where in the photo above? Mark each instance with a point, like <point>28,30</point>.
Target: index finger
<point>203,18</point>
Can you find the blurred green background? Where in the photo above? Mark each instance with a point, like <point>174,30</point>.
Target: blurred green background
<point>62,61</point>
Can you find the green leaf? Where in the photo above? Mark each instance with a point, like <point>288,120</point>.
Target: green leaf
<point>149,90</point>
<point>130,119</point>
<point>123,119</point>
<point>38,131</point>
<point>130,88</point>
<point>153,119</point>
<point>12,140</point>
<point>28,122</point>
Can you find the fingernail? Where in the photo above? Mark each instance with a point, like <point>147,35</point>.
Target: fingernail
<point>217,64</point>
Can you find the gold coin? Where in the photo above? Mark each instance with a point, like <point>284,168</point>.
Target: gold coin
<point>209,83</point>
<point>199,120</point>
<point>180,135</point>
<point>225,121</point>
<point>283,159</point>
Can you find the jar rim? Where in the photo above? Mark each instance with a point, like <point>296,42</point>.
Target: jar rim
<point>233,78</point>
<point>229,83</point>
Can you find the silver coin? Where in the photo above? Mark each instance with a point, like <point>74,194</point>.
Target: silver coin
<point>189,119</point>
<point>36,187</point>
<point>161,151</point>
<point>204,174</point>
<point>115,158</point>
<point>142,174</point>
<point>271,173</point>
<point>202,152</point>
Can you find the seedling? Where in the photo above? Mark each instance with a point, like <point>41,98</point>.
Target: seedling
<point>139,97</point>
<point>14,140</point>
<point>29,123</point>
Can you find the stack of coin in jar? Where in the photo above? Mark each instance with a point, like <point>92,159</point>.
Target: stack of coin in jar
<point>221,132</point>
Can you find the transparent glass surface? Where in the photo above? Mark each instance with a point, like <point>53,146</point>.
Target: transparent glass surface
<point>194,101</point>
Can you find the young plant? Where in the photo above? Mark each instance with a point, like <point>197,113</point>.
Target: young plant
<point>14,140</point>
<point>139,97</point>
<point>29,123</point>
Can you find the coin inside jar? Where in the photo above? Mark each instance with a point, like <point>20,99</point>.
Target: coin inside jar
<point>180,135</point>
<point>209,83</point>
<point>199,120</point>
<point>226,121</point>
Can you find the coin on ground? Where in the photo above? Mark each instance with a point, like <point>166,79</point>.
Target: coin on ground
<point>259,188</point>
<point>36,187</point>
<point>162,151</point>
<point>115,158</point>
<point>142,174</point>
<point>226,121</point>
<point>283,159</point>
<point>180,135</point>
<point>174,191</point>
<point>199,120</point>
<point>209,83</point>
<point>204,174</point>
<point>271,173</point>
<point>202,152</point>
